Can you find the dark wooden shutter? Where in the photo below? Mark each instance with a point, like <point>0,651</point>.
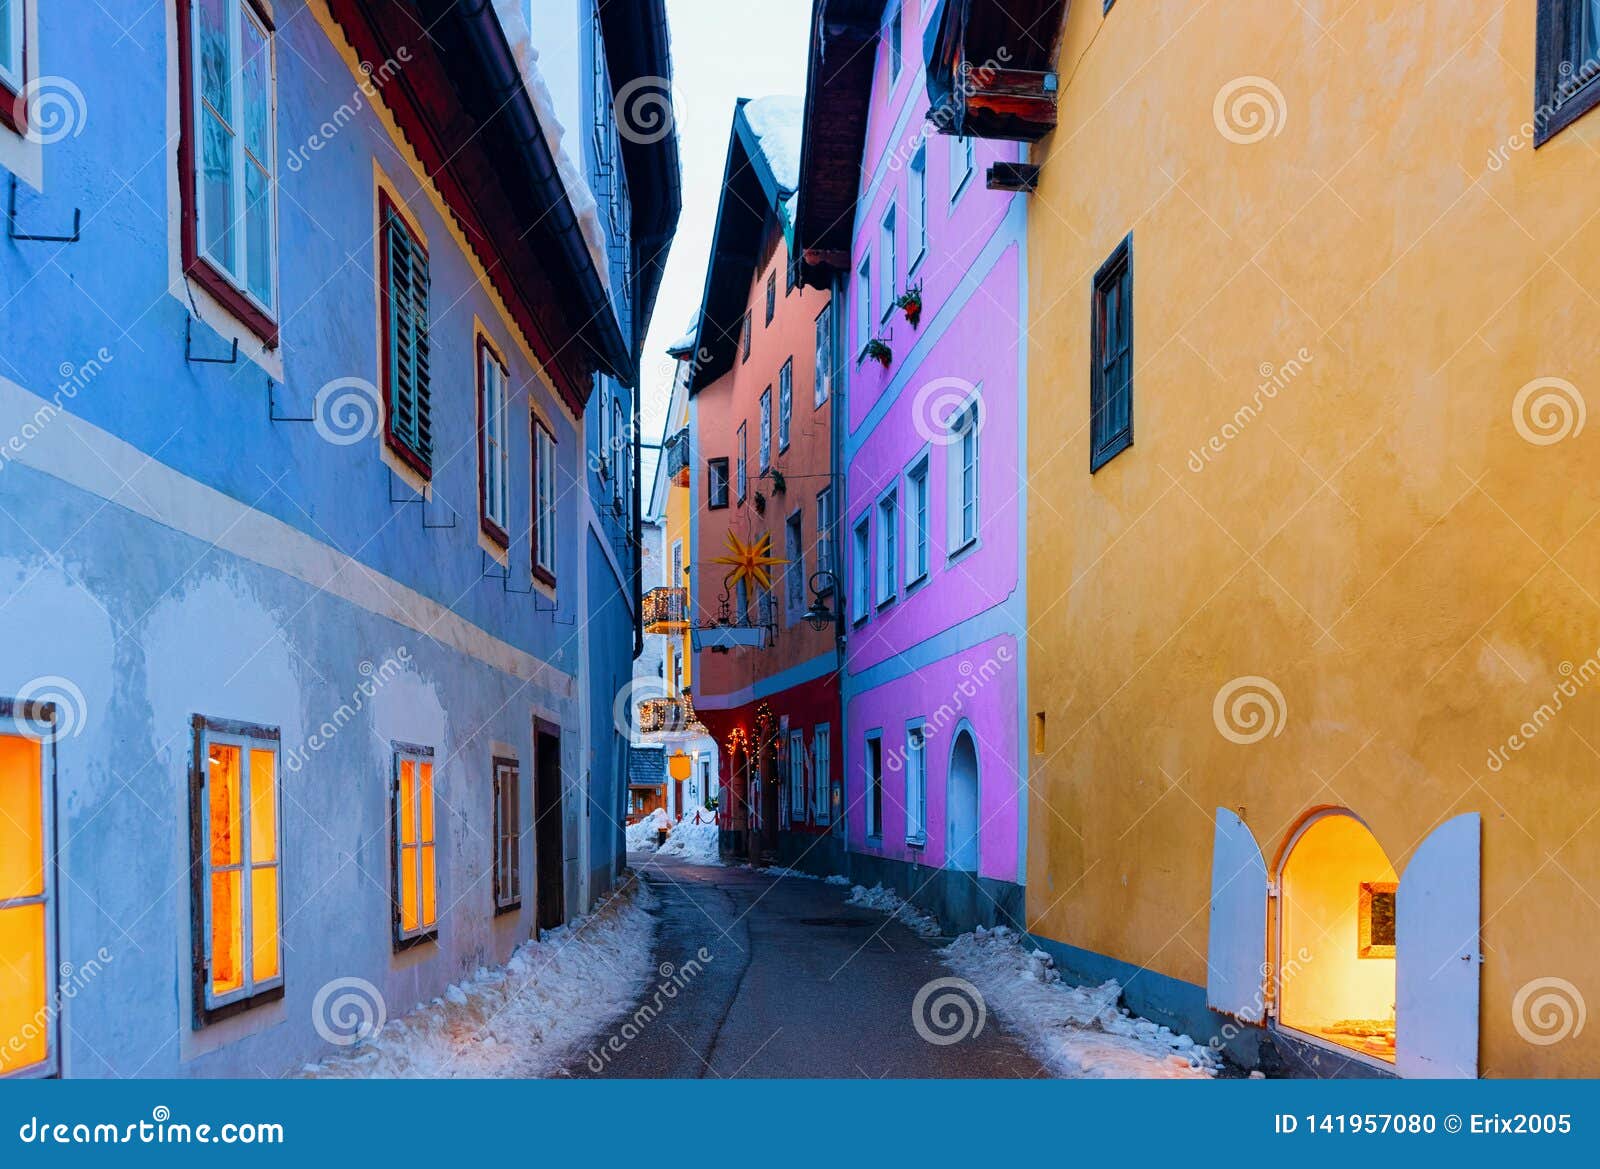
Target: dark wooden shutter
<point>410,407</point>
<point>1111,372</point>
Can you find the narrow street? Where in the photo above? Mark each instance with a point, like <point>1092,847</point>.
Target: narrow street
<point>797,984</point>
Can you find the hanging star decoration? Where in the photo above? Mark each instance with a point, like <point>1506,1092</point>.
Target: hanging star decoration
<point>749,562</point>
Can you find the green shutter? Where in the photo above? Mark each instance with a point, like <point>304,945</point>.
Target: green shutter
<point>410,411</point>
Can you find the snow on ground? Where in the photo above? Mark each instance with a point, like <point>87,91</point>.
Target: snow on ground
<point>694,838</point>
<point>1079,1032</point>
<point>887,901</point>
<point>525,1018</point>
<point>642,835</point>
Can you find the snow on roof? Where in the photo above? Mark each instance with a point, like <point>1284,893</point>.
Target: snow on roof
<point>777,122</point>
<point>686,342</point>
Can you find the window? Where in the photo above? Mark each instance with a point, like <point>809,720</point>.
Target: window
<point>1567,64</point>
<point>794,573</point>
<point>785,403</point>
<point>416,883</point>
<point>965,425</point>
<point>874,773</point>
<point>886,262</point>
<point>507,836</point>
<point>676,579</point>
<point>916,785</point>
<point>917,207</point>
<point>12,69</point>
<point>233,832</point>
<point>917,521</point>
<point>888,556</point>
<point>603,411</point>
<point>960,165</point>
<point>408,427</point>
<point>619,447</point>
<point>227,180</point>
<point>824,382</point>
<point>744,462</point>
<point>716,484</point>
<point>744,337</point>
<point>893,38</point>
<point>494,459</point>
<point>797,775</point>
<point>822,774</point>
<point>766,428</point>
<point>741,615</point>
<point>772,294</point>
<point>27,891</point>
<point>1111,374</point>
<point>825,530</point>
<point>544,503</point>
<point>861,570</point>
<point>863,305</point>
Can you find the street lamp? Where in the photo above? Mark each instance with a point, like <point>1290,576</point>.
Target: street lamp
<point>821,614</point>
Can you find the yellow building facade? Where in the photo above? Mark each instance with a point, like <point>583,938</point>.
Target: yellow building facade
<point>1314,686</point>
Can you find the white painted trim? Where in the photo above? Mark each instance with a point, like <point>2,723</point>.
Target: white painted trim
<point>188,506</point>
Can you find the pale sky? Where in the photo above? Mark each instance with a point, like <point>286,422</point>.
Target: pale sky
<point>721,50</point>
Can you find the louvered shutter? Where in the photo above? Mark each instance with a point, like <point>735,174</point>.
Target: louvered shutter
<point>410,409</point>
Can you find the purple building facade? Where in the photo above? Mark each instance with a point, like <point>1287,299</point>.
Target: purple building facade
<point>928,267</point>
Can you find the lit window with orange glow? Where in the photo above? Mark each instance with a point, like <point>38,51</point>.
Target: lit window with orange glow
<point>27,920</point>
<point>240,943</point>
<point>415,877</point>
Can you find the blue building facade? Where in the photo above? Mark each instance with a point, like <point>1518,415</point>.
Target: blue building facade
<point>315,592</point>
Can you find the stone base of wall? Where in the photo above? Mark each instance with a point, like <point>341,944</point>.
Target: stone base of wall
<point>961,901</point>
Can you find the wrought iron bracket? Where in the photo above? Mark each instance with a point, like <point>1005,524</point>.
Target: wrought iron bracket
<point>272,409</point>
<point>189,353</point>
<point>419,498</point>
<point>11,223</point>
<point>503,576</point>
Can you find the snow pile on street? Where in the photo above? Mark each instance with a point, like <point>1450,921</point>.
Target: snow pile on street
<point>523,1019</point>
<point>779,871</point>
<point>888,901</point>
<point>1079,1032</point>
<point>642,835</point>
<point>838,879</point>
<point>694,842</point>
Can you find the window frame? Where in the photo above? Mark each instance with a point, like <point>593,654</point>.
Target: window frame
<point>919,520</point>
<point>743,469</point>
<point>423,932</point>
<point>964,426</point>
<point>23,718</point>
<point>887,259</point>
<point>822,385</point>
<point>895,32</point>
<point>1552,110</point>
<point>917,801</point>
<point>861,567</point>
<point>960,179</point>
<point>886,578</point>
<point>766,429</point>
<point>714,501</point>
<point>543,447</point>
<point>14,75</point>
<point>506,868</point>
<point>1115,276</point>
<point>744,338</point>
<point>794,594</point>
<point>863,304</point>
<point>825,520</point>
<point>419,461</point>
<point>917,208</point>
<point>496,527</point>
<point>822,773</point>
<point>234,294</point>
<point>797,776</point>
<point>872,798</point>
<point>208,1008</point>
<point>772,297</point>
<point>785,404</point>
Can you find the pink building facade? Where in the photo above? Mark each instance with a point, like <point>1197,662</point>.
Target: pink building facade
<point>928,268</point>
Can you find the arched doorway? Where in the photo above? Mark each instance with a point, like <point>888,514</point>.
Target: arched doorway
<point>1336,936</point>
<point>963,798</point>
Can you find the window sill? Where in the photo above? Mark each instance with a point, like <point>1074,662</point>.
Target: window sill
<point>963,551</point>
<point>1569,111</point>
<point>1111,450</point>
<point>544,576</point>
<point>723,506</point>
<point>497,535</point>
<point>512,907</point>
<point>886,602</point>
<point>918,842</point>
<point>206,1015</point>
<point>412,941</point>
<point>406,455</point>
<point>962,189</point>
<point>915,583</point>
<point>8,111</point>
<point>916,261</point>
<point>238,305</point>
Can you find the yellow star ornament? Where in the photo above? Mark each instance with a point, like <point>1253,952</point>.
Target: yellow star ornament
<point>749,561</point>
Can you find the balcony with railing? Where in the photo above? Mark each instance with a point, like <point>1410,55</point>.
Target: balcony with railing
<point>668,714</point>
<point>666,610</point>
<point>678,458</point>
